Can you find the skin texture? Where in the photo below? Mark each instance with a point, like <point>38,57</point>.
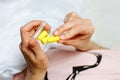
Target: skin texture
<point>75,31</point>
<point>36,59</point>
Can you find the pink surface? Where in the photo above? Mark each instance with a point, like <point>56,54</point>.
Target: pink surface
<point>62,59</point>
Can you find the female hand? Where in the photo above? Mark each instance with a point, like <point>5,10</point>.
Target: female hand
<point>76,31</point>
<point>36,59</point>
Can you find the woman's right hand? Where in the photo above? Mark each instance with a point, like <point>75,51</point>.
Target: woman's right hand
<point>37,61</point>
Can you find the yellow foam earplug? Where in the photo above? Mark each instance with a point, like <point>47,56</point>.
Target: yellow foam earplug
<point>45,40</point>
<point>42,35</point>
<point>53,39</point>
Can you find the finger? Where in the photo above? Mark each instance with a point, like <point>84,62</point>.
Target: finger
<point>70,20</point>
<point>32,33</point>
<point>63,28</point>
<point>32,24</point>
<point>35,47</point>
<point>47,27</point>
<point>24,36</point>
<point>69,42</point>
<point>27,31</point>
<point>27,53</point>
<point>35,24</point>
<point>70,16</point>
<point>78,29</point>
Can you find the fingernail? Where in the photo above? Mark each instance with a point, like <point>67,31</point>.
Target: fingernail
<point>56,32</point>
<point>62,36</point>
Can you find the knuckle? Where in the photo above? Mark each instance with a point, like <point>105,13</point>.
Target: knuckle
<point>33,21</point>
<point>41,59</point>
<point>22,49</point>
<point>22,29</point>
<point>32,42</point>
<point>72,14</point>
<point>20,46</point>
<point>66,19</point>
<point>61,28</point>
<point>75,15</point>
<point>36,61</point>
<point>87,21</point>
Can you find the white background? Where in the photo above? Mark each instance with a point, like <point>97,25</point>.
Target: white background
<point>105,15</point>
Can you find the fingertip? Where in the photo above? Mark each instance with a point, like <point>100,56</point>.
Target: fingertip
<point>32,24</point>
<point>56,32</point>
<point>47,27</point>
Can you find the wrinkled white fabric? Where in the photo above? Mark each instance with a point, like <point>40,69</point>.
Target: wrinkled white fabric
<point>15,13</point>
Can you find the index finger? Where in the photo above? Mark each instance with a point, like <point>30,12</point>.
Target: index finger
<point>35,24</point>
<point>71,16</point>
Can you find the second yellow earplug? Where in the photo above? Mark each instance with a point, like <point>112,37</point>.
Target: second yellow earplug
<point>44,38</point>
<point>53,39</point>
<point>42,35</point>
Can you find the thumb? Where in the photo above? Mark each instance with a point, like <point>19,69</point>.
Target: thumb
<point>35,47</point>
